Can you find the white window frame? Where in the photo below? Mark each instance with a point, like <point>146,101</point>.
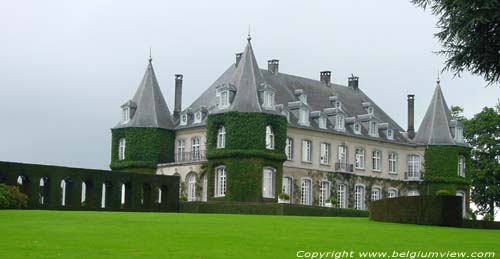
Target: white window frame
<point>306,191</point>
<point>390,134</point>
<point>341,196</point>
<point>220,181</point>
<point>360,158</point>
<point>392,193</point>
<point>289,148</point>
<point>413,193</point>
<point>393,162</point>
<point>304,117</point>
<point>268,100</point>
<point>287,186</point>
<point>198,116</point>
<point>122,146</point>
<point>413,166</point>
<point>184,119</point>
<point>324,153</point>
<point>221,137</point>
<point>306,151</point>
<point>370,110</point>
<point>459,134</point>
<point>269,138</point>
<point>195,149</point>
<point>181,149</point>
<point>462,194</point>
<point>191,190</point>
<point>359,197</point>
<point>373,128</point>
<point>322,122</point>
<point>461,166</point>
<point>376,193</point>
<point>224,99</point>
<point>376,160</point>
<point>340,122</point>
<point>268,182</point>
<point>126,114</point>
<point>342,155</point>
<point>356,128</point>
<point>324,192</point>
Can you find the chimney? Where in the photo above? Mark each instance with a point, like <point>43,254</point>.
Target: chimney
<point>273,65</point>
<point>238,58</point>
<point>411,116</point>
<point>325,77</point>
<point>178,95</point>
<point>353,82</point>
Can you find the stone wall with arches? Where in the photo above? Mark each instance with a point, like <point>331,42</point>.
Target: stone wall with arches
<point>65,188</point>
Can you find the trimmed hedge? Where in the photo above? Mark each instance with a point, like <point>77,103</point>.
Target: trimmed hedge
<point>480,224</point>
<point>267,209</point>
<point>442,210</point>
<point>142,190</point>
<point>12,198</point>
<point>145,149</point>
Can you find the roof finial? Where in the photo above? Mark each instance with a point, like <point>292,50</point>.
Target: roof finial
<point>249,38</point>
<point>438,80</point>
<point>150,58</point>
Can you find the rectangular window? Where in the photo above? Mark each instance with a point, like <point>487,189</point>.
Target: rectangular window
<point>461,166</point>
<point>359,197</point>
<point>305,192</point>
<point>339,122</point>
<point>289,148</point>
<point>373,129</point>
<point>342,155</point>
<point>221,137</point>
<point>306,151</point>
<point>376,158</point>
<point>341,196</point>
<point>126,115</point>
<point>304,117</point>
<point>269,138</point>
<point>287,186</point>
<point>195,149</point>
<point>224,99</point>
<point>268,183</point>
<point>413,167</point>
<point>324,192</point>
<point>322,123</point>
<point>220,182</point>
<point>181,155</point>
<point>360,158</point>
<point>393,158</point>
<point>121,149</point>
<point>459,134</point>
<point>325,154</point>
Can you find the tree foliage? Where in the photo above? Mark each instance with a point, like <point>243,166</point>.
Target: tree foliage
<point>483,134</point>
<point>470,35</point>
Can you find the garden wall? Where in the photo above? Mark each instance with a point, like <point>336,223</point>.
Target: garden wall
<point>44,186</point>
<point>442,210</point>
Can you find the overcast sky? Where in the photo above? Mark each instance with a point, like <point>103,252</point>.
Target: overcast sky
<point>67,66</point>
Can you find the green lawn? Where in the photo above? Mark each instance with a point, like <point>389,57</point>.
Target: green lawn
<point>68,234</point>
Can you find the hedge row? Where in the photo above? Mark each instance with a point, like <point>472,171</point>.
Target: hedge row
<point>442,210</point>
<point>12,198</point>
<point>267,209</point>
<point>480,224</point>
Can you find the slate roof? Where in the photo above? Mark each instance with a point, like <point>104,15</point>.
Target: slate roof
<point>435,128</point>
<point>151,110</point>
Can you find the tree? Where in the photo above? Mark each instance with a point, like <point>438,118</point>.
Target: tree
<point>457,113</point>
<point>483,134</point>
<point>470,35</point>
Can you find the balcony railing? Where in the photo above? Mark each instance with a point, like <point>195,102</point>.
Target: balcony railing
<point>344,167</point>
<point>193,156</point>
<point>413,176</point>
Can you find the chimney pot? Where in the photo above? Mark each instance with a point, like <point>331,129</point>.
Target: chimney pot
<point>411,116</point>
<point>325,77</point>
<point>178,95</point>
<point>273,66</point>
<point>353,81</point>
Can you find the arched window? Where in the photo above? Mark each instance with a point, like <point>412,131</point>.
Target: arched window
<point>220,181</point>
<point>392,193</point>
<point>289,148</point>
<point>269,137</point>
<point>359,197</point>
<point>191,195</point>
<point>376,193</point>
<point>195,149</point>
<point>341,196</point>
<point>306,191</point>
<point>393,163</point>
<point>287,186</point>
<point>376,159</point>
<point>221,137</point>
<point>461,194</point>
<point>121,148</point>
<point>84,193</point>
<point>103,196</point>
<point>20,180</point>
<point>268,183</point>
<point>122,196</point>
<point>63,192</point>
<point>324,192</point>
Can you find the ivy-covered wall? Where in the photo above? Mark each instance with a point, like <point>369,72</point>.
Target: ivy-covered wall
<point>245,154</point>
<point>145,149</point>
<point>441,169</point>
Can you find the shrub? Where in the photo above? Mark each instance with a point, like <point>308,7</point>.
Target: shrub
<point>332,200</point>
<point>284,196</point>
<point>488,217</point>
<point>12,198</point>
<point>443,192</point>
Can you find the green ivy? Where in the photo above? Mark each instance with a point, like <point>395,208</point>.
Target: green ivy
<point>441,165</point>
<point>145,149</point>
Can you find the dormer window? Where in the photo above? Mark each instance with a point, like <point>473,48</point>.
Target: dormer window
<point>356,128</point>
<point>338,105</point>
<point>269,137</point>
<point>224,94</point>
<point>373,129</point>
<point>221,137</point>
<point>126,114</point>
<point>268,100</point>
<point>370,110</point>
<point>197,117</point>
<point>322,122</point>
<point>390,134</point>
<point>339,122</point>
<point>184,119</point>
<point>304,117</point>
<point>224,99</point>
<point>287,115</point>
<point>303,98</point>
<point>459,134</point>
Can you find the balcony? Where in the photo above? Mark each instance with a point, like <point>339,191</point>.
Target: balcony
<point>413,176</point>
<point>343,167</point>
<point>186,157</point>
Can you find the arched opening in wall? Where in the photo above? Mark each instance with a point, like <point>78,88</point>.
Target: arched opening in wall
<point>180,184</point>
<point>125,195</point>
<point>162,196</point>
<point>461,194</point>
<point>87,192</point>
<point>146,195</point>
<point>204,187</point>
<point>191,186</point>
<point>83,194</point>
<point>43,193</point>
<point>106,188</point>
<point>22,182</point>
<point>63,192</point>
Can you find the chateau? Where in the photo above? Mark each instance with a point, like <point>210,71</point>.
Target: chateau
<point>257,133</point>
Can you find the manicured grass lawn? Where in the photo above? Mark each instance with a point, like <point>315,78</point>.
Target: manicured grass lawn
<point>68,234</point>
